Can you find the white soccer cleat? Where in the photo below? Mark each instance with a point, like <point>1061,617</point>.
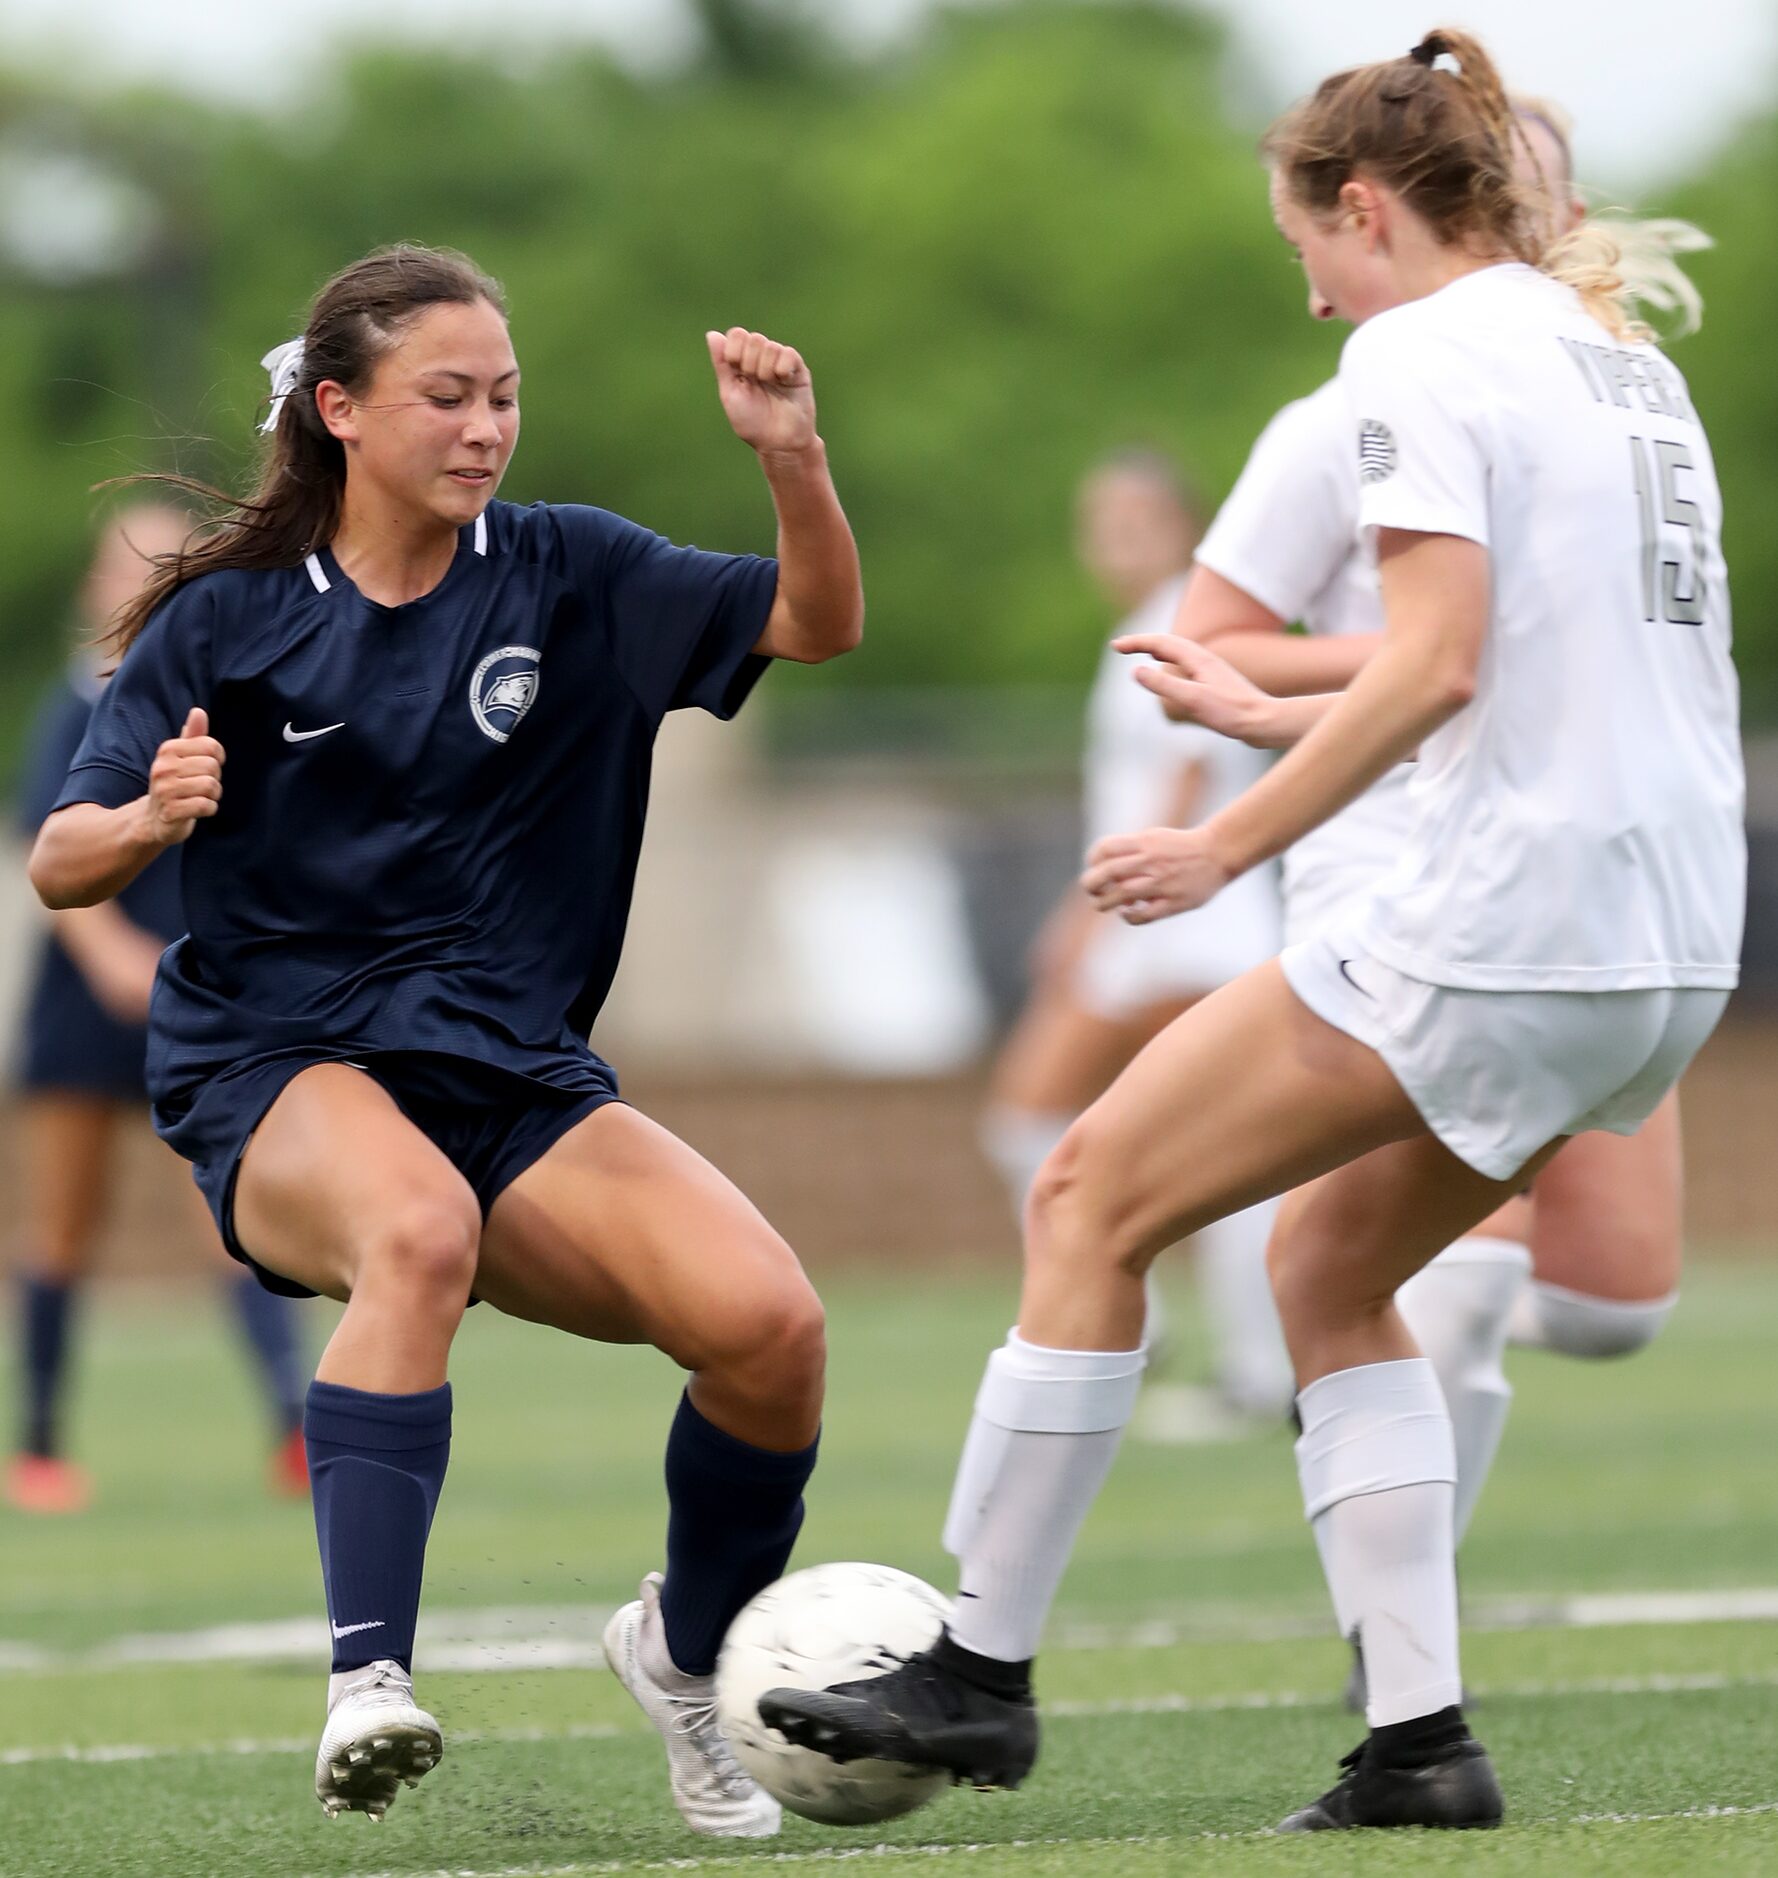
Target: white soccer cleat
<point>711,1790</point>
<point>377,1740</point>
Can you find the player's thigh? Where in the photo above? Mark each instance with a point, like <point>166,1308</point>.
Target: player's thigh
<point>336,1177</point>
<point>1246,1095</point>
<point>623,1233</point>
<point>1060,1055</point>
<point>1607,1213</point>
<point>1354,1237</point>
<point>68,1140</point>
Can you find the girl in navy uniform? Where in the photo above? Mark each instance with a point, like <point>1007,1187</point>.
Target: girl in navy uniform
<point>404,732</point>
<point>82,1042</point>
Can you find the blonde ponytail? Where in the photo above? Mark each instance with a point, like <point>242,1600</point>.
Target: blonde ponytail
<point>1620,265</point>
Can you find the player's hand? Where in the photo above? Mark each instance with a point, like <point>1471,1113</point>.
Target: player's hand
<point>1197,687</point>
<point>184,781</point>
<point>766,390</point>
<point>1154,874</point>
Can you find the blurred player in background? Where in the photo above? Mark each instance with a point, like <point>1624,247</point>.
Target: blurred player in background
<point>83,1047</point>
<point>1558,939</point>
<point>406,895</point>
<point>1100,989</point>
<point>1587,1264</point>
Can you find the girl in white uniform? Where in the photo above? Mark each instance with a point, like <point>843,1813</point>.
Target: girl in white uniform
<point>1559,939</point>
<point>1599,1235</point>
<point>1100,990</point>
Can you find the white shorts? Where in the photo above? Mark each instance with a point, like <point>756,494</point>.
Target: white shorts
<point>1497,1074</point>
<point>1124,969</point>
<point>1319,899</point>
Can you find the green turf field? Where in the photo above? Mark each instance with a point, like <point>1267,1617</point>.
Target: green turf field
<point>161,1658</point>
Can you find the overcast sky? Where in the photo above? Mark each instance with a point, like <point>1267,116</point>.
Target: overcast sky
<point>1651,97</point>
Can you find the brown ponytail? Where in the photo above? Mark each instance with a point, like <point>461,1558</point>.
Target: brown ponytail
<point>294,507</point>
<point>1438,128</point>
<point>1434,126</point>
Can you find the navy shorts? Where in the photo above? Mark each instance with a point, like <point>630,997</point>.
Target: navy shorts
<point>69,1044</point>
<point>489,1122</point>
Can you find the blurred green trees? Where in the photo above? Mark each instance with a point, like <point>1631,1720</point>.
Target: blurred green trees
<point>1033,236</point>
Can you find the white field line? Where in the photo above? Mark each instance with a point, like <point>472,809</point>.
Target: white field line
<point>833,1855</point>
<point>1165,1704</point>
<point>509,1638</point>
<point>246,1749</point>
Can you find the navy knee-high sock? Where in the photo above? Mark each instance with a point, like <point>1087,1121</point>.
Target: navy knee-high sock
<point>45,1307</point>
<point>270,1324</point>
<point>734,1511</point>
<point>376,1464</point>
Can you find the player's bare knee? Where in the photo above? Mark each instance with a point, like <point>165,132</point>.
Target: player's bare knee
<point>1310,1290</point>
<point>1076,1215</point>
<point>427,1249</point>
<point>780,1343</point>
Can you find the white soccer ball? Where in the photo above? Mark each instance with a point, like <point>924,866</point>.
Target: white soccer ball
<point>828,1624</point>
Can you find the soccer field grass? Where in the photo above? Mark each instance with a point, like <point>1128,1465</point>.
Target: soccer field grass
<point>161,1658</point>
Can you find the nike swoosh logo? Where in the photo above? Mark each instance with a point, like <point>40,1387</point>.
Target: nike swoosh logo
<point>347,1630</point>
<point>1353,982</point>
<point>292,735</point>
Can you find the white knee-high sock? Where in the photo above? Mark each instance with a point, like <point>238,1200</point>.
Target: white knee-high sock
<point>1551,1317</point>
<point>1458,1310</point>
<point>1377,1469</point>
<point>1046,1428</point>
<point>1018,1142</point>
<point>1252,1367</point>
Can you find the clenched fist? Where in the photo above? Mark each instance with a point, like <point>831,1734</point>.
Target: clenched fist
<point>765,388</point>
<point>184,781</point>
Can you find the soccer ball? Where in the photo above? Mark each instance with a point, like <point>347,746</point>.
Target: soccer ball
<point>828,1624</point>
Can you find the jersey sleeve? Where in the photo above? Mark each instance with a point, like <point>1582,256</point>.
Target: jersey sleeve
<point>1417,440</point>
<point>55,737</point>
<point>164,673</point>
<point>1289,522</point>
<point>683,622</point>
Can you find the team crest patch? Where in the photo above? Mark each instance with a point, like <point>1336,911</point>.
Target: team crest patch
<point>1376,451</point>
<point>503,689</point>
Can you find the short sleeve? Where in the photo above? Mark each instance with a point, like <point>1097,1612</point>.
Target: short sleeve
<point>164,673</point>
<point>1291,518</point>
<point>55,737</point>
<point>683,622</point>
<point>1416,437</point>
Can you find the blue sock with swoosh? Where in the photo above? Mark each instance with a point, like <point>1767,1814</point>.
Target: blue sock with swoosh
<point>376,1465</point>
<point>734,1511</point>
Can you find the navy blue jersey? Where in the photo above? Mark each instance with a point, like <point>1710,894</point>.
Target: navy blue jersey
<point>431,814</point>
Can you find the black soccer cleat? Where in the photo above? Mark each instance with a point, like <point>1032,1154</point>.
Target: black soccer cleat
<point>1452,1786</point>
<point>926,1713</point>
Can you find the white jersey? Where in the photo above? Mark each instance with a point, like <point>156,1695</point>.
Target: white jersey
<point>1288,535</point>
<point>1135,757</point>
<point>1578,826</point>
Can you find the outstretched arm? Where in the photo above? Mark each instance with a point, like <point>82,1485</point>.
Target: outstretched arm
<point>86,853</point>
<point>1195,686</point>
<point>1435,600</point>
<point>1215,612</point>
<point>769,398</point>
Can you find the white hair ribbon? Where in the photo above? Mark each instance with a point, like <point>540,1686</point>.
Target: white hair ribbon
<point>284,364</point>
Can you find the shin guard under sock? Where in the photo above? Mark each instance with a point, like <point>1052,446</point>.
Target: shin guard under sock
<point>733,1513</point>
<point>376,1465</point>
